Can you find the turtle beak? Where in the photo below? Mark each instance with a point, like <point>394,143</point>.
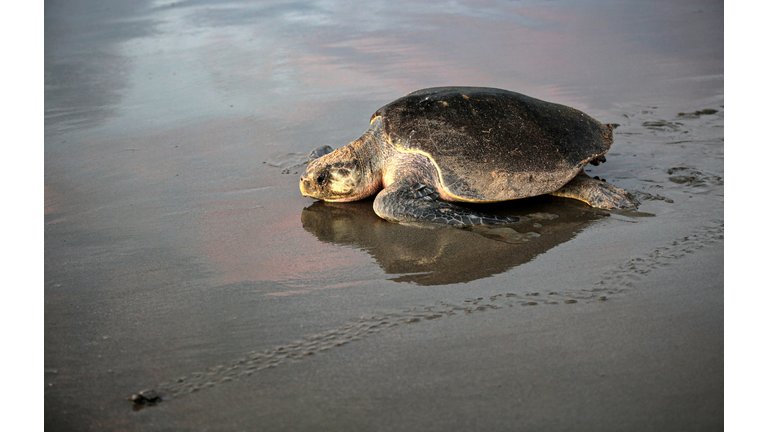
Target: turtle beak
<point>305,185</point>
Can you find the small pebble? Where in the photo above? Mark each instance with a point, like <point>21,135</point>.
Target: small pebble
<point>146,397</point>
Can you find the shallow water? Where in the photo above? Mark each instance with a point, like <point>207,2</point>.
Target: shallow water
<point>180,255</point>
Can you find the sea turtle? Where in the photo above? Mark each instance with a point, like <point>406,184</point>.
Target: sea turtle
<point>465,144</point>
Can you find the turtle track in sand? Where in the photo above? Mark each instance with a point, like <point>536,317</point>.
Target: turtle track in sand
<point>614,282</point>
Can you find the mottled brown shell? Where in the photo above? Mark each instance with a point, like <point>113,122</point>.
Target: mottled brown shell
<point>494,145</point>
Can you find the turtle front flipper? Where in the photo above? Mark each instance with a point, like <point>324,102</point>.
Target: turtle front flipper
<point>597,193</point>
<point>319,152</point>
<point>417,202</point>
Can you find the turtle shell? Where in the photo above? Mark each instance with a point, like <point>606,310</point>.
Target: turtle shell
<point>494,145</point>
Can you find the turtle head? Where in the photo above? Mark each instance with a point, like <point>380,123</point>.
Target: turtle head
<point>338,176</point>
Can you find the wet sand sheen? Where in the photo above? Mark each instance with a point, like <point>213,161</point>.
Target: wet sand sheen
<point>181,257</point>
<point>609,285</point>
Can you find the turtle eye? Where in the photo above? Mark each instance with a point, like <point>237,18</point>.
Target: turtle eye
<point>322,177</point>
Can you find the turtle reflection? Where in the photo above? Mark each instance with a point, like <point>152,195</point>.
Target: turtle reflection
<point>446,255</point>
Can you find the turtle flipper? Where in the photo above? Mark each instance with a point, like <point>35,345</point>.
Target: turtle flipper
<point>319,152</point>
<point>597,193</point>
<point>417,202</point>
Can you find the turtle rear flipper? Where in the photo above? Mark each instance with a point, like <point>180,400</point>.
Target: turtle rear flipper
<point>597,193</point>
<point>417,202</point>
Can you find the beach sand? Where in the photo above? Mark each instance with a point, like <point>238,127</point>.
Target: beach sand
<point>181,257</point>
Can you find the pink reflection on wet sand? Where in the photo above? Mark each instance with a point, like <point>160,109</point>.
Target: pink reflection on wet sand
<point>244,246</point>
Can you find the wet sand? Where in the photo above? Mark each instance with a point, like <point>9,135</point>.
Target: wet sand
<point>181,257</point>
